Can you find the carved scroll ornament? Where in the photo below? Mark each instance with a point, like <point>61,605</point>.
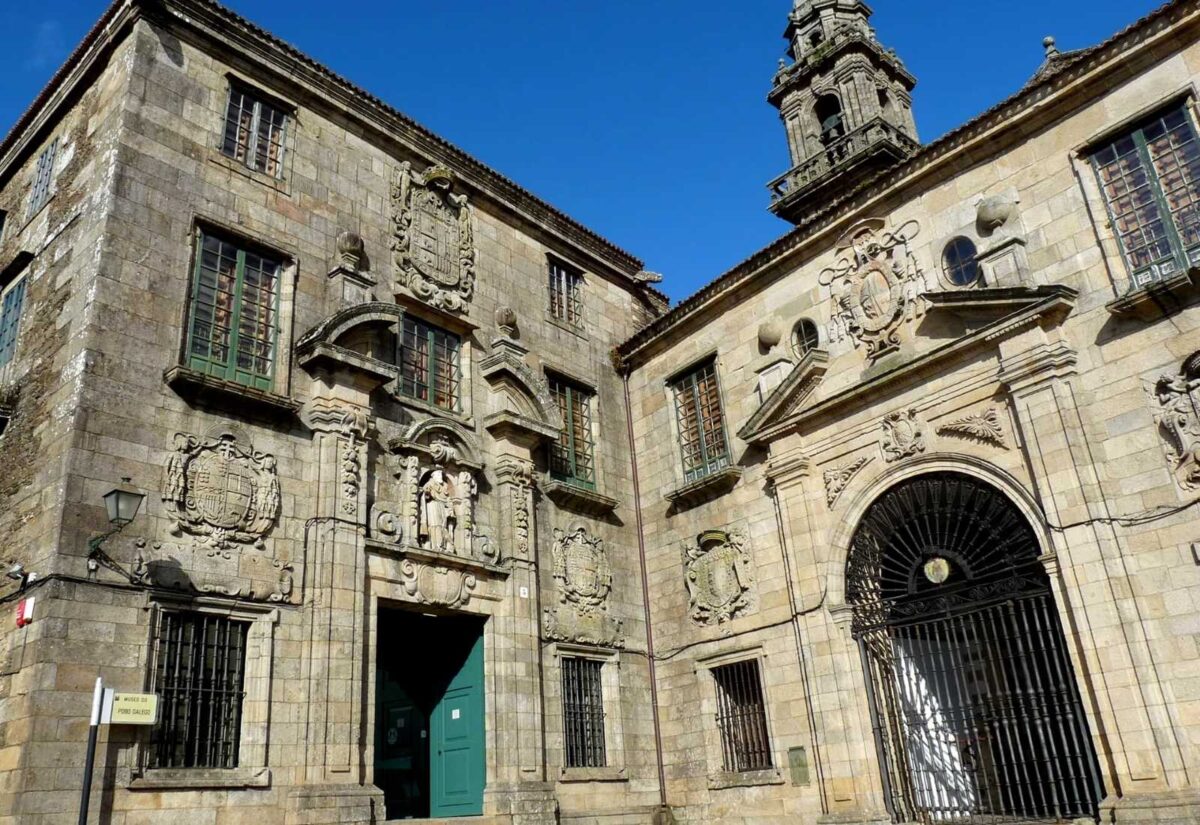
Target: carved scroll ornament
<point>837,479</point>
<point>221,490</point>
<point>433,246</point>
<point>430,584</point>
<point>985,426</point>
<point>1178,398</point>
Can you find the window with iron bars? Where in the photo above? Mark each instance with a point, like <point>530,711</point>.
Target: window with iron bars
<point>199,676</point>
<point>571,457</point>
<point>12,301</point>
<point>566,288</point>
<point>254,132</point>
<point>742,717</point>
<point>429,364</point>
<point>583,713</point>
<point>43,178</point>
<point>1150,177</point>
<point>233,327</point>
<point>701,421</point>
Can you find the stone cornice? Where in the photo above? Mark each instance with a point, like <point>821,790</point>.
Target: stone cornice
<point>980,138</point>
<point>217,24</point>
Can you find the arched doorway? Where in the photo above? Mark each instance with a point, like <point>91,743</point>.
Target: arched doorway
<point>976,711</point>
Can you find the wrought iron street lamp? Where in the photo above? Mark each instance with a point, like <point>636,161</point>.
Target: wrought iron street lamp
<point>122,504</point>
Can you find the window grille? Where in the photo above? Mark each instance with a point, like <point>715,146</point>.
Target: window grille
<point>254,132</point>
<point>43,177</point>
<point>566,299</point>
<point>742,717</point>
<point>429,364</point>
<point>12,301</point>
<point>701,422</point>
<point>199,676</point>
<point>1150,178</point>
<point>235,303</point>
<point>571,458</point>
<point>583,713</point>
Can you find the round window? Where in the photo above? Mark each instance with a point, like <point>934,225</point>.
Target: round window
<point>805,337</point>
<point>961,262</point>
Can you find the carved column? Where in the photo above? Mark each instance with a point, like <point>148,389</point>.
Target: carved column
<point>1132,724</point>
<point>334,593</point>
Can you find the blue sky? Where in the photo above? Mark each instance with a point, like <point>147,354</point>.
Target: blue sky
<point>646,120</point>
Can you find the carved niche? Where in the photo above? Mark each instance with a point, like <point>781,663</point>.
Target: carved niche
<point>718,572</point>
<point>903,435</point>
<point>876,286</point>
<point>221,490</point>
<point>985,427</point>
<point>1179,422</point>
<point>583,578</point>
<point>433,245</point>
<point>438,489</point>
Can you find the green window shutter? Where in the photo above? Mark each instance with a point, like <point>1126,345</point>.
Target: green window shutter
<point>572,456</point>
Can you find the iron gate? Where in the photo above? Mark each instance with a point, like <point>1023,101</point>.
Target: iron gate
<point>976,711</point>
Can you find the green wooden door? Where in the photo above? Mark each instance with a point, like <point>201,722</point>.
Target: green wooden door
<point>456,755</point>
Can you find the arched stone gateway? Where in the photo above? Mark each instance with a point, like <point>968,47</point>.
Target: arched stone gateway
<point>976,710</point>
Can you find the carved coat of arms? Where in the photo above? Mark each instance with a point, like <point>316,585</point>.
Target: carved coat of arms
<point>876,286</point>
<point>220,489</point>
<point>717,572</point>
<point>433,245</point>
<point>1178,418</point>
<point>581,569</point>
<point>903,435</point>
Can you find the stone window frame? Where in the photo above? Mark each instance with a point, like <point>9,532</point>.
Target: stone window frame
<point>289,275</point>
<point>551,374</point>
<point>1186,96</point>
<point>980,279</point>
<point>614,733</point>
<point>576,298</point>
<point>41,187</point>
<point>820,342</point>
<point>254,738</point>
<point>669,386</point>
<point>291,128</point>
<point>465,331</point>
<point>718,777</point>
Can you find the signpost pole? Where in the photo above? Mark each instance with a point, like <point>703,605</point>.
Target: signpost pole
<point>93,733</point>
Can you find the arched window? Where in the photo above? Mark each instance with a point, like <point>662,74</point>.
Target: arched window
<point>805,337</point>
<point>960,262</point>
<point>829,115</point>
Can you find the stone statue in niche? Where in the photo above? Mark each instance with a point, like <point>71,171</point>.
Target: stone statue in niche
<point>876,286</point>
<point>446,502</point>
<point>1178,398</point>
<point>221,490</point>
<point>717,572</point>
<point>433,246</point>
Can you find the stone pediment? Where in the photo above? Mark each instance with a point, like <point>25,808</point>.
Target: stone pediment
<point>526,411</point>
<point>788,396</point>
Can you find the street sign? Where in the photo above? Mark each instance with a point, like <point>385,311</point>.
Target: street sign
<point>129,708</point>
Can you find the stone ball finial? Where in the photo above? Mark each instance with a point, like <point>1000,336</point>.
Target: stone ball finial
<point>1049,44</point>
<point>994,211</point>
<point>506,320</point>
<point>770,333</point>
<point>350,249</point>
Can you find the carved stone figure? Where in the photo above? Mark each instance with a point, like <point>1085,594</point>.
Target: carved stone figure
<point>437,516</point>
<point>438,585</point>
<point>433,246</point>
<point>717,572</point>
<point>903,435</point>
<point>876,286</point>
<point>1178,421</point>
<point>221,490</point>
<point>985,426</point>
<point>837,478</point>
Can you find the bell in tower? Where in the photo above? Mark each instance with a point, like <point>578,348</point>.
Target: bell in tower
<point>845,101</point>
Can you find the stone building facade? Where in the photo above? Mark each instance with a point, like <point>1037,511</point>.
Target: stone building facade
<point>415,543</point>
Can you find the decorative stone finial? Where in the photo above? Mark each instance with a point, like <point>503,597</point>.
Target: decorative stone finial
<point>994,211</point>
<point>350,249</point>
<point>1051,49</point>
<point>770,334</point>
<point>506,319</point>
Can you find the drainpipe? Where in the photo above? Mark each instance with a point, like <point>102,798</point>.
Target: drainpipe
<point>664,809</point>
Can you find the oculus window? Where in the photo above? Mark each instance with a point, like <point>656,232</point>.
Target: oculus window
<point>960,262</point>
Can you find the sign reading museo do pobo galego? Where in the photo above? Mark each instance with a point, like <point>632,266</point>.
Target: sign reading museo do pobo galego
<point>129,708</point>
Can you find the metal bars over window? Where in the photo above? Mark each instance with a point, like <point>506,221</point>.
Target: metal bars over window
<point>1150,178</point>
<point>254,132</point>
<point>742,717</point>
<point>583,713</point>
<point>429,364</point>
<point>11,304</point>
<point>571,458</point>
<point>199,676</point>
<point>43,178</point>
<point>566,287</point>
<point>701,421</point>
<point>235,303</point>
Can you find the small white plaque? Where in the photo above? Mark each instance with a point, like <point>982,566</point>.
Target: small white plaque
<point>524,592</point>
<point>454,713</point>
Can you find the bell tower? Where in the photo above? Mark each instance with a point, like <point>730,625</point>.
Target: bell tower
<point>845,101</point>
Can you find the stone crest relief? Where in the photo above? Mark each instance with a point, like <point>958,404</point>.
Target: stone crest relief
<point>221,490</point>
<point>583,578</point>
<point>903,435</point>
<point>433,245</point>
<point>433,584</point>
<point>876,286</point>
<point>718,574</point>
<point>1178,418</point>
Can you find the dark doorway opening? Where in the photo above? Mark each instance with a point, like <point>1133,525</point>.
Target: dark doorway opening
<point>429,714</point>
